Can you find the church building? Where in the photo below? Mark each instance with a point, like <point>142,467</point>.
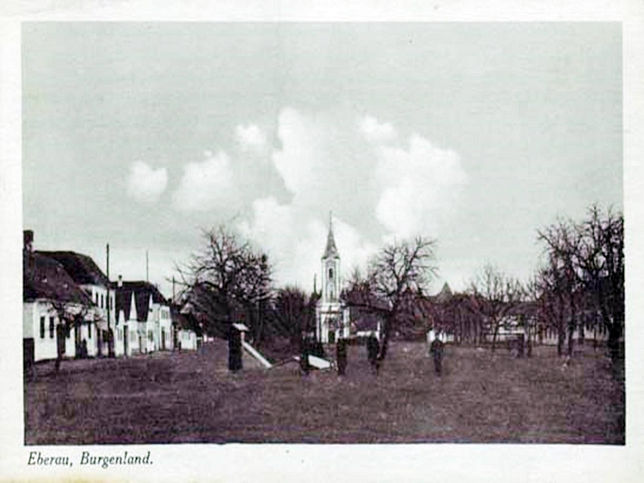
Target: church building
<point>332,318</point>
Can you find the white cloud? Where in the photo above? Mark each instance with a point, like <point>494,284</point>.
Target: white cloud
<point>146,184</point>
<point>295,239</point>
<point>375,131</point>
<point>378,186</point>
<point>251,138</point>
<point>302,152</point>
<point>420,186</point>
<point>205,184</point>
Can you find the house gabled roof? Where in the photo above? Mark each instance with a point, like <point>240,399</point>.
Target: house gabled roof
<point>366,322</point>
<point>124,303</point>
<point>444,295</point>
<point>81,268</point>
<point>185,320</point>
<point>143,292</point>
<point>46,278</point>
<point>362,297</point>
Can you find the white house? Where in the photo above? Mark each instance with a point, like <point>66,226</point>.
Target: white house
<point>143,315</point>
<point>187,327</point>
<point>89,277</point>
<point>54,308</point>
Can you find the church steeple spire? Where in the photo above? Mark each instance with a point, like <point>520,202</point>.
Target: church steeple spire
<point>331,250</point>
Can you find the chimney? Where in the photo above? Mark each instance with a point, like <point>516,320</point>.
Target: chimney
<point>120,281</point>
<point>28,240</point>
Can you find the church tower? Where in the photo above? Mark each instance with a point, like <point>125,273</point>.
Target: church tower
<point>330,269</point>
<point>331,316</point>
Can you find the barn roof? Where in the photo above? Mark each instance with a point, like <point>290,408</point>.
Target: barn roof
<point>185,320</point>
<point>82,269</point>
<point>45,277</point>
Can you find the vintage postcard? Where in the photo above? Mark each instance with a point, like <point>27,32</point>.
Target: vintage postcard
<point>275,248</point>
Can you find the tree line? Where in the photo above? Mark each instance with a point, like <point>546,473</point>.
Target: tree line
<point>579,281</point>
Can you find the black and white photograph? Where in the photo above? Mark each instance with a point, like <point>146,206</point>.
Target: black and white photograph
<point>334,234</point>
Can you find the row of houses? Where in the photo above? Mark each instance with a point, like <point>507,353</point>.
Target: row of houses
<point>70,307</point>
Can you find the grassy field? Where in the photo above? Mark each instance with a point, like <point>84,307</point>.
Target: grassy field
<point>191,397</point>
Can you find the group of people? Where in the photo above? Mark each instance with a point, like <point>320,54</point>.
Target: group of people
<point>436,351</point>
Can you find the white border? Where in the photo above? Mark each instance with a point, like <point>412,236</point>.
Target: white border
<point>317,463</point>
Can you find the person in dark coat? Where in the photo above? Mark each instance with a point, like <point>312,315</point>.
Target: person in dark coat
<point>234,350</point>
<point>341,356</point>
<point>83,349</point>
<point>304,356</point>
<point>373,347</point>
<point>436,350</point>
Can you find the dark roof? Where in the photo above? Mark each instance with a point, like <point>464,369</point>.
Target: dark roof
<point>362,298</point>
<point>80,267</point>
<point>331,250</point>
<point>444,295</point>
<point>142,292</point>
<point>185,320</point>
<point>529,309</point>
<point>366,322</point>
<point>141,286</point>
<point>44,277</point>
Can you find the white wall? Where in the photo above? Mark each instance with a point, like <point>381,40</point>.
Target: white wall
<point>99,297</point>
<point>187,339</point>
<point>44,347</point>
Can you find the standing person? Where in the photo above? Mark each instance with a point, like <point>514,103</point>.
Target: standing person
<point>341,356</point>
<point>373,347</point>
<point>436,350</point>
<point>304,356</point>
<point>234,350</point>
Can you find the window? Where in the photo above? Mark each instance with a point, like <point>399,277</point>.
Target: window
<point>96,297</point>
<point>102,301</point>
<point>150,335</point>
<point>42,327</point>
<point>51,327</point>
<point>330,273</point>
<point>89,331</point>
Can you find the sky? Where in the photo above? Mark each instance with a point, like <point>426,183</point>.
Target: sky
<point>141,135</point>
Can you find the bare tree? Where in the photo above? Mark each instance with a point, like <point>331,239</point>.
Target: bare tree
<point>563,240</point>
<point>585,261</point>
<point>494,295</point>
<point>71,314</point>
<point>601,262</point>
<point>294,313</point>
<point>552,300</point>
<point>226,279</point>
<point>400,269</point>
